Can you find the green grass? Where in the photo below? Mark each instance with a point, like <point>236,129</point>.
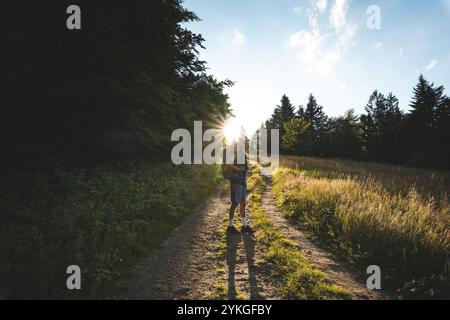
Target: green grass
<point>104,220</point>
<point>295,277</point>
<point>397,218</point>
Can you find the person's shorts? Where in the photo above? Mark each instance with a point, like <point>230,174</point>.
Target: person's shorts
<point>238,193</point>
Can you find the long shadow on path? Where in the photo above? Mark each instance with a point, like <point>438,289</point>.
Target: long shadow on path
<point>234,241</point>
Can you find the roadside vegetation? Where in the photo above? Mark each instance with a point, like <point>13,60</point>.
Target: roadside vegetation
<point>396,218</point>
<point>104,220</point>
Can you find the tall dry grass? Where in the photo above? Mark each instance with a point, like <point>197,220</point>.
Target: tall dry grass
<point>397,218</point>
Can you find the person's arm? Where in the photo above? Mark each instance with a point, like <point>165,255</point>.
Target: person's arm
<point>236,168</point>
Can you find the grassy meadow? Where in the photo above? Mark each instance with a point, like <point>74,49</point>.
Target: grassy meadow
<point>104,220</point>
<point>395,217</point>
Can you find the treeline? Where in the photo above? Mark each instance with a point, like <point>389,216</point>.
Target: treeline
<point>86,118</point>
<point>384,133</point>
<point>115,89</point>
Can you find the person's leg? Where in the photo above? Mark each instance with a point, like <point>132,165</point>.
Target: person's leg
<point>233,204</point>
<point>232,210</point>
<point>242,207</point>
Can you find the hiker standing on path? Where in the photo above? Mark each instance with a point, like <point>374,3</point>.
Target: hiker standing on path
<point>237,174</point>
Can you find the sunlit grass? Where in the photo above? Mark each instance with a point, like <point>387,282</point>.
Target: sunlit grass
<point>397,218</point>
<point>294,276</point>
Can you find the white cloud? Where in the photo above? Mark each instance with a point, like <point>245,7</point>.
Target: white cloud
<point>238,38</point>
<point>313,21</point>
<point>320,52</point>
<point>379,45</point>
<point>298,9</point>
<point>347,36</point>
<point>321,5</point>
<point>308,44</point>
<point>338,14</point>
<point>432,64</point>
<point>401,51</point>
<point>303,38</point>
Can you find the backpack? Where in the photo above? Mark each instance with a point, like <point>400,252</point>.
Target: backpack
<point>226,172</point>
<point>230,175</point>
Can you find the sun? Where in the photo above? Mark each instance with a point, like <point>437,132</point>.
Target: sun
<point>232,130</point>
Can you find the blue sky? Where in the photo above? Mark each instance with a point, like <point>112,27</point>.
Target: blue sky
<point>296,47</point>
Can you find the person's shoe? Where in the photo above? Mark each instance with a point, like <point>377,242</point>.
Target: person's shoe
<point>248,229</point>
<point>232,230</point>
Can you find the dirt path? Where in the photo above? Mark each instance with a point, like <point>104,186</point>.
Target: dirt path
<point>186,266</point>
<point>337,271</point>
<point>245,277</point>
